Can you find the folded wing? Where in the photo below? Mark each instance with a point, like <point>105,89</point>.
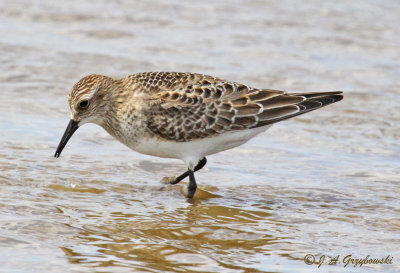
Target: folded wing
<point>212,106</point>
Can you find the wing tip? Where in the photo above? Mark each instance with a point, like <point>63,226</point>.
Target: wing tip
<point>312,101</point>
<point>317,94</point>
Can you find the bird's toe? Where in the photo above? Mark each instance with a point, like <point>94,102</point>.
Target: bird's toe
<point>168,180</point>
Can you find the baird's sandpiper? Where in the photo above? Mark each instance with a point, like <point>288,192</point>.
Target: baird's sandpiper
<point>182,115</point>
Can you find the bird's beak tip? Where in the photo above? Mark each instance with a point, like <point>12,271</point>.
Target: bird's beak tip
<point>71,128</point>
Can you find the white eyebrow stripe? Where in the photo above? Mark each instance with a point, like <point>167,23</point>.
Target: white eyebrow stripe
<point>88,95</point>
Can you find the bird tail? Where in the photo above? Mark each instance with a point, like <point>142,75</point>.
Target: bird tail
<point>308,102</point>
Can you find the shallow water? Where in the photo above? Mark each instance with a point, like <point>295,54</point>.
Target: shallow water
<point>326,183</point>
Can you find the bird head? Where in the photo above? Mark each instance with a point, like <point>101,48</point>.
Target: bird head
<point>88,101</point>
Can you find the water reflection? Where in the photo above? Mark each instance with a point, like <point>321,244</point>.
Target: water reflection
<point>200,237</point>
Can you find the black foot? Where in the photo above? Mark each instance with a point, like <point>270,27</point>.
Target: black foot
<point>192,184</point>
<point>199,166</point>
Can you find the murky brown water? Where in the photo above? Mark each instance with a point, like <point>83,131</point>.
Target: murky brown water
<point>324,183</point>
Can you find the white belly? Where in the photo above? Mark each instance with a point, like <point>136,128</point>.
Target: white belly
<point>193,151</point>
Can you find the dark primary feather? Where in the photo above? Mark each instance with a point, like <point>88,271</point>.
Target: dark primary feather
<point>191,106</point>
<point>311,101</point>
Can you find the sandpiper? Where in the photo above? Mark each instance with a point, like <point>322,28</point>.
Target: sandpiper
<point>186,116</point>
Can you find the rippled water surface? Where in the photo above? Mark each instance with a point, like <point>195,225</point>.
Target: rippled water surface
<point>326,183</point>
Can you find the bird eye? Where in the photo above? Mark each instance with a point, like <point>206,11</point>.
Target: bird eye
<point>84,104</point>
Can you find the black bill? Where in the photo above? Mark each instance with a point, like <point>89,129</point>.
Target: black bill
<point>71,128</point>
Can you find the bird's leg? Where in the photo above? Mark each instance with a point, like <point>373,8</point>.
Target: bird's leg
<point>199,166</point>
<point>192,184</point>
